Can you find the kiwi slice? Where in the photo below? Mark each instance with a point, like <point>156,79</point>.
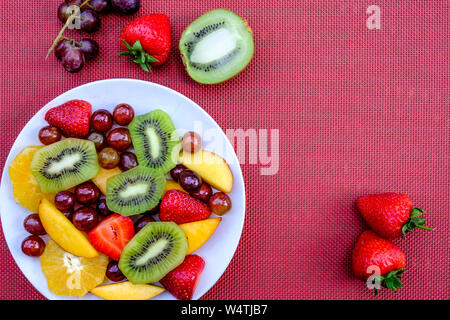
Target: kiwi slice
<point>216,46</point>
<point>135,191</point>
<point>153,252</point>
<point>155,141</point>
<point>64,164</point>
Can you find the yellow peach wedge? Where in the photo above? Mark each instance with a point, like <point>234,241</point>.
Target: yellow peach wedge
<point>198,232</point>
<point>63,232</point>
<point>172,185</point>
<point>211,167</point>
<point>127,291</point>
<point>103,175</point>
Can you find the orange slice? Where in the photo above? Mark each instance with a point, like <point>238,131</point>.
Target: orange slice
<point>25,188</point>
<point>70,275</point>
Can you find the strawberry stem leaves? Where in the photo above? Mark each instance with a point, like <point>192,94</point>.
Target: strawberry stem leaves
<point>138,55</point>
<point>414,222</point>
<point>391,280</point>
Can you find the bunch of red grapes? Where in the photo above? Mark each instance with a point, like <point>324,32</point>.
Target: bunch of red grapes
<point>73,54</point>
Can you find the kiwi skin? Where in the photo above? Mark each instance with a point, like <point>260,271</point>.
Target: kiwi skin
<point>185,59</point>
<point>157,271</point>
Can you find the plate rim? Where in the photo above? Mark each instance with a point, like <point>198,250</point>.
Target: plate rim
<point>128,80</point>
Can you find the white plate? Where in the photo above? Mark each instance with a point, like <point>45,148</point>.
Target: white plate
<point>144,97</point>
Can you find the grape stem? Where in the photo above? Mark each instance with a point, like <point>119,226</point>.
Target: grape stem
<point>60,34</point>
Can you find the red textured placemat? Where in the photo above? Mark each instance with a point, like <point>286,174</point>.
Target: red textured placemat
<point>359,111</point>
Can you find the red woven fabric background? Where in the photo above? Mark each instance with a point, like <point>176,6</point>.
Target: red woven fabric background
<point>359,111</point>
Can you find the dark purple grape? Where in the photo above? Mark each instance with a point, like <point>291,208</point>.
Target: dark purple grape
<point>190,181</point>
<point>63,12</point>
<point>61,48</point>
<point>142,222</point>
<point>67,213</point>
<point>90,48</point>
<point>113,272</point>
<point>102,208</point>
<point>204,193</point>
<point>128,161</point>
<point>101,120</point>
<point>33,246</point>
<point>85,218</point>
<point>175,172</point>
<point>123,114</point>
<point>64,200</point>
<point>87,193</point>
<point>89,21</point>
<point>119,139</point>
<point>33,225</point>
<point>100,6</point>
<point>49,135</point>
<point>126,6</point>
<point>73,60</point>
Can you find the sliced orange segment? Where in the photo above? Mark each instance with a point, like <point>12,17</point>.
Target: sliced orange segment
<point>70,275</point>
<point>26,191</point>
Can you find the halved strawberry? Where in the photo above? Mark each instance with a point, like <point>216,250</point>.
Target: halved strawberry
<point>112,234</point>
<point>182,281</point>
<point>179,207</point>
<point>72,118</point>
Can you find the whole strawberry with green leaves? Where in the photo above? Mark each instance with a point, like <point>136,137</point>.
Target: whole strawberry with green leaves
<point>370,252</point>
<point>147,40</point>
<point>391,215</point>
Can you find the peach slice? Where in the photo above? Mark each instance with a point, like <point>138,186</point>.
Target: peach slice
<point>127,291</point>
<point>103,175</point>
<point>211,167</point>
<point>172,185</point>
<point>63,232</point>
<point>198,232</point>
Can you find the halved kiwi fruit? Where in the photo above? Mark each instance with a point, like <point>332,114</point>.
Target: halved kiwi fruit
<point>153,252</point>
<point>216,46</point>
<point>155,141</point>
<point>64,164</point>
<point>135,191</point>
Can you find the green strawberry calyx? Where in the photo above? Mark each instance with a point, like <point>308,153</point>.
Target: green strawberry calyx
<point>391,280</point>
<point>138,55</point>
<point>414,222</point>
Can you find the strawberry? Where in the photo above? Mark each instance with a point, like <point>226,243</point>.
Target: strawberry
<point>147,40</point>
<point>179,207</point>
<point>182,281</point>
<point>372,250</point>
<point>72,118</point>
<point>111,235</point>
<point>391,215</point>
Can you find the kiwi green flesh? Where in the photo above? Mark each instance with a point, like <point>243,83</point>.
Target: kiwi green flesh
<point>216,46</point>
<point>135,191</point>
<point>153,252</point>
<point>155,140</point>
<point>64,164</point>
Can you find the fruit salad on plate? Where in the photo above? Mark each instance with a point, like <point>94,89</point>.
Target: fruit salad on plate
<point>120,202</point>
